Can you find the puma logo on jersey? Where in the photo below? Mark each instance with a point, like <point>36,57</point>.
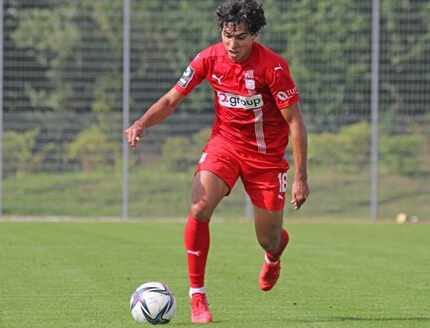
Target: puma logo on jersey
<point>218,79</point>
<point>279,68</point>
<point>240,102</point>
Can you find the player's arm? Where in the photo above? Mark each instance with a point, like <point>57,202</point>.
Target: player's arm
<point>299,141</point>
<point>156,114</point>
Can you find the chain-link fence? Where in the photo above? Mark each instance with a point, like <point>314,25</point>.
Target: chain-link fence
<point>63,103</point>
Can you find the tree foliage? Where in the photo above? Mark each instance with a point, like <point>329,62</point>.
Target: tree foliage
<point>405,50</point>
<point>77,49</point>
<point>70,41</point>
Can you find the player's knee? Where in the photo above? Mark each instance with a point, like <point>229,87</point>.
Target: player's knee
<point>268,243</point>
<point>201,210</point>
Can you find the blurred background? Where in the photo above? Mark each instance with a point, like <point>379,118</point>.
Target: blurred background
<point>76,72</point>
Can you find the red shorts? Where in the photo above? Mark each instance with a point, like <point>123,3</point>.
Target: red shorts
<point>264,177</point>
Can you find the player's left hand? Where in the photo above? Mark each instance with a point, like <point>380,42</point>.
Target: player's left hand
<point>299,193</point>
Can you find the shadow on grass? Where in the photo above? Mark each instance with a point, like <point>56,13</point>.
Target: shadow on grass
<point>347,318</point>
<point>329,319</point>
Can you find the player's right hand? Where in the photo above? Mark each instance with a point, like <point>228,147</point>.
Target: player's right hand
<point>133,134</point>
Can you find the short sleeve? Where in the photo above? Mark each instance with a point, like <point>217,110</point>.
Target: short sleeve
<point>192,76</point>
<point>282,86</point>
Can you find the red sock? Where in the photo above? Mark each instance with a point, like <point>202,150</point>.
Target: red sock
<point>274,256</point>
<point>197,238</point>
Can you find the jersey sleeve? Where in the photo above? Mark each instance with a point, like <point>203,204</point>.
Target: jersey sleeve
<point>281,85</point>
<point>192,76</point>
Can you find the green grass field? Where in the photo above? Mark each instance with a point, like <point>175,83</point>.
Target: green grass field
<point>336,275</point>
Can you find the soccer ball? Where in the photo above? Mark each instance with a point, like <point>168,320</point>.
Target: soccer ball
<point>153,302</point>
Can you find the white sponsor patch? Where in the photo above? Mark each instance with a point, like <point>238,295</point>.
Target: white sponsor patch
<point>285,95</point>
<point>240,102</point>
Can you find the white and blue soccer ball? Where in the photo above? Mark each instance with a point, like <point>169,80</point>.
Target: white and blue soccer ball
<point>153,302</point>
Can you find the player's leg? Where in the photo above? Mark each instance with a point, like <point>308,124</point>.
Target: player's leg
<point>207,192</point>
<point>273,238</point>
<point>266,184</point>
<point>217,172</point>
<point>268,229</point>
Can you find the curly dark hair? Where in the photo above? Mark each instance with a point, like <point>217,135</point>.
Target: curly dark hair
<point>249,12</point>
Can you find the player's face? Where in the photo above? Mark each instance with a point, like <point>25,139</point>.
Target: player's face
<point>237,41</point>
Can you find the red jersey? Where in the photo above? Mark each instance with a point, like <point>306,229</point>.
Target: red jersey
<point>248,96</point>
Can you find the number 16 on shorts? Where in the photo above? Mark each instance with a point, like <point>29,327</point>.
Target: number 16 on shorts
<point>283,182</point>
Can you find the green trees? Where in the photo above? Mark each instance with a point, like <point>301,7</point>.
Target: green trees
<point>405,51</point>
<point>77,46</point>
<point>71,53</point>
<point>328,48</point>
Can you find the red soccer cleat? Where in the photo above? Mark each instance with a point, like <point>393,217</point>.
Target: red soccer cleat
<point>200,312</point>
<point>269,274</point>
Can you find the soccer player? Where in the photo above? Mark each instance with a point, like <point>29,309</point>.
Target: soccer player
<point>256,111</point>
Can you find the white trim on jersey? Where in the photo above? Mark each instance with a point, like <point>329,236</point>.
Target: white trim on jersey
<point>259,132</point>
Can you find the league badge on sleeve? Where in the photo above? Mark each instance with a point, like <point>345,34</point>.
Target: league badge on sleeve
<point>186,77</point>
